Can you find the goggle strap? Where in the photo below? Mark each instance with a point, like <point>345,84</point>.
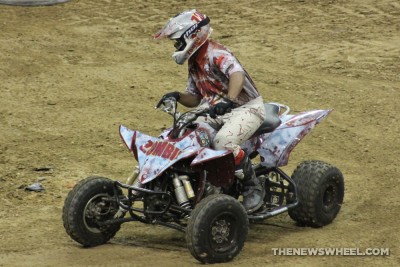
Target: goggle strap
<point>195,27</point>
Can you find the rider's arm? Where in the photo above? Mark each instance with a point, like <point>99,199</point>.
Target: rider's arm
<point>236,81</point>
<point>191,97</point>
<point>189,100</point>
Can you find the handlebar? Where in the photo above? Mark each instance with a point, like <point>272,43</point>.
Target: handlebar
<point>180,120</point>
<point>170,105</point>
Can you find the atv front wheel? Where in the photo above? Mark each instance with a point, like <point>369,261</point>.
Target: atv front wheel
<point>88,204</point>
<point>217,229</point>
<point>320,192</point>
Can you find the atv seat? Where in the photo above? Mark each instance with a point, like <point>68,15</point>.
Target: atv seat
<point>271,121</point>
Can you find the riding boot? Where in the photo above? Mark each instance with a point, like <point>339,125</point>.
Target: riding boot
<point>254,192</point>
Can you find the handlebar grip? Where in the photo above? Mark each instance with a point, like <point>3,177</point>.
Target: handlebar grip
<point>212,114</point>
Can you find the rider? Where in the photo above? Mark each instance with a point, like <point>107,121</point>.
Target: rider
<point>216,78</point>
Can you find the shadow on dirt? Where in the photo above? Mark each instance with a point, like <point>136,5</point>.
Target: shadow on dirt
<point>169,240</point>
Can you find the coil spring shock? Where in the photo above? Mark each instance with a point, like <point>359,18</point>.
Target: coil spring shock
<point>183,190</point>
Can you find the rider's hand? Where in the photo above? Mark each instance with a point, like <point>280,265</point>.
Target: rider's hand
<point>175,95</point>
<point>221,108</point>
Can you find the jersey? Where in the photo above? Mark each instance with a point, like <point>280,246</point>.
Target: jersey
<point>209,71</point>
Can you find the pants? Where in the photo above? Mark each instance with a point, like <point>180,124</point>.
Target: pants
<point>238,125</point>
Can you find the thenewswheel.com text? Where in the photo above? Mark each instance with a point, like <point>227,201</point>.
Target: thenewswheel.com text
<point>330,252</point>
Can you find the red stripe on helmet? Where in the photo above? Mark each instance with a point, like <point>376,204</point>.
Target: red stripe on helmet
<point>197,16</point>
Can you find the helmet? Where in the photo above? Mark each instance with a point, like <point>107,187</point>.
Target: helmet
<point>189,29</point>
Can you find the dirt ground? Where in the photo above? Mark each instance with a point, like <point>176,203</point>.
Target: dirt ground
<point>72,73</point>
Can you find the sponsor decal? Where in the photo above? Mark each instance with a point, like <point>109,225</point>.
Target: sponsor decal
<point>204,139</point>
<point>162,149</point>
<point>191,30</point>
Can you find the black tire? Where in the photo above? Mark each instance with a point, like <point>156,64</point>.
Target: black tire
<point>217,229</point>
<point>85,201</point>
<point>320,189</point>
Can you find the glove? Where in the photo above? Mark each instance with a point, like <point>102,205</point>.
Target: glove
<point>175,95</point>
<point>221,108</point>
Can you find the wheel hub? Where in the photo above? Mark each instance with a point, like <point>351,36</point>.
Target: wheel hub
<point>96,210</point>
<point>220,231</point>
<point>330,197</point>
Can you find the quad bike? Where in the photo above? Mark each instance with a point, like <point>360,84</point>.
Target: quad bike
<point>181,182</point>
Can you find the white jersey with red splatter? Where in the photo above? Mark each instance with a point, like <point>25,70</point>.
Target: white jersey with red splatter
<point>209,71</point>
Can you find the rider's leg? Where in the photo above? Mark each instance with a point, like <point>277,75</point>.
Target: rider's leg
<point>253,193</point>
<point>239,125</point>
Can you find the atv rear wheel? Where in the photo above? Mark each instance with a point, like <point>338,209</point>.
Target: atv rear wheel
<point>217,229</point>
<point>89,203</point>
<point>320,192</point>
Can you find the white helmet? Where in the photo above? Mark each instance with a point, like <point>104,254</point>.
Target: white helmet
<point>189,29</point>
